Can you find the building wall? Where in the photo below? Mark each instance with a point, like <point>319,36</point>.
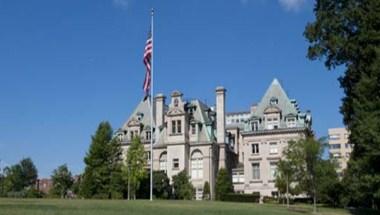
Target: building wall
<point>339,147</point>
<point>265,184</point>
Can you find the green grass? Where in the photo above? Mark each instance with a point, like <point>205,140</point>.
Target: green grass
<point>142,207</point>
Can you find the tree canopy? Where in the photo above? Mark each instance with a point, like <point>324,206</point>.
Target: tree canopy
<point>347,33</point>
<point>102,176</point>
<point>62,181</point>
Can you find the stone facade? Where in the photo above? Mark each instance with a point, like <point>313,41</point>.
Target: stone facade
<point>191,136</point>
<point>339,147</point>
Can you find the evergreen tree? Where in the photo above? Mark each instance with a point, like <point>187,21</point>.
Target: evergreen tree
<point>206,191</point>
<point>117,184</point>
<point>134,169</point>
<point>183,189</point>
<point>346,33</point>
<point>102,176</point>
<point>161,185</point>
<point>223,184</point>
<point>62,181</point>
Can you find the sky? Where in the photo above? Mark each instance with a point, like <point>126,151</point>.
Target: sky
<point>65,66</point>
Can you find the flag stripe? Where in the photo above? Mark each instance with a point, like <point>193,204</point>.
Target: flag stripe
<point>147,61</point>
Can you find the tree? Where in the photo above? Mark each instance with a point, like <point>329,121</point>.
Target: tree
<point>134,168</point>
<point>183,189</point>
<point>62,181</point>
<point>223,184</point>
<point>20,176</point>
<point>102,176</point>
<point>346,33</point>
<point>117,184</point>
<point>206,191</point>
<point>329,186</point>
<point>303,157</point>
<point>161,185</point>
<point>285,178</point>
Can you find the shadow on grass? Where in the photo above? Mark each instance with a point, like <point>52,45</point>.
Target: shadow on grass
<point>360,211</point>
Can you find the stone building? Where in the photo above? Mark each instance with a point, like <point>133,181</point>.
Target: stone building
<point>192,136</point>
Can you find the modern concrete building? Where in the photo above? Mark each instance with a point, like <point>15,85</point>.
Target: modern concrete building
<point>191,136</point>
<point>339,147</point>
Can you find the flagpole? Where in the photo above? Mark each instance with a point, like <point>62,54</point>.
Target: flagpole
<point>151,114</point>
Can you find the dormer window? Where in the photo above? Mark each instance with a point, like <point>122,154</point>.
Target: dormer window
<point>291,122</point>
<point>272,122</point>
<point>176,102</point>
<point>193,129</point>
<point>255,126</point>
<point>274,101</point>
<point>148,135</point>
<point>140,116</point>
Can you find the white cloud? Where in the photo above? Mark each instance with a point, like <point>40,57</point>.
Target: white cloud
<point>291,5</point>
<point>121,3</point>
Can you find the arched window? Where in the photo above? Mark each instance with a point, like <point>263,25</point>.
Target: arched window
<point>163,161</point>
<point>196,165</point>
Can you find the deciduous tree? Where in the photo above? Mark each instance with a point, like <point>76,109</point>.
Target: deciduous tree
<point>62,181</point>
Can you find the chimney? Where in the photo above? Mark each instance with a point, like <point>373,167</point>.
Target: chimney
<point>160,103</point>
<point>253,108</point>
<point>220,114</point>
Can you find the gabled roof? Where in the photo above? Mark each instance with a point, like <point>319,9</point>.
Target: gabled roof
<point>141,114</point>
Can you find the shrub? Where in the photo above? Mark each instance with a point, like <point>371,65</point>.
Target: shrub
<point>236,197</point>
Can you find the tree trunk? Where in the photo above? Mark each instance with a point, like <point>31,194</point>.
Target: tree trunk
<point>287,191</point>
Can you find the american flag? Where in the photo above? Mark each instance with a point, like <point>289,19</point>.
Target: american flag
<point>147,61</point>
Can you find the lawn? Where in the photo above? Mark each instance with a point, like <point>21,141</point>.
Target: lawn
<point>143,207</point>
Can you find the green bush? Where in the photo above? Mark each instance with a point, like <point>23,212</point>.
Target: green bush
<point>236,197</point>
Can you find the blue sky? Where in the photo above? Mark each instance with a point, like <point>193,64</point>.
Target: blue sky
<point>67,65</point>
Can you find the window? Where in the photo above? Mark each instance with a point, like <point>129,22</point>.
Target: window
<point>163,159</point>
<point>147,155</point>
<point>335,146</point>
<point>255,171</point>
<point>179,126</point>
<point>193,129</point>
<point>336,155</point>
<point>273,101</point>
<point>273,148</point>
<point>273,170</point>
<point>197,165</point>
<point>175,163</point>
<point>173,127</point>
<point>334,136</point>
<point>237,177</point>
<point>291,122</point>
<point>255,126</point>
<point>272,123</point>
<point>255,148</point>
<point>132,135</point>
<point>148,135</point>
<point>176,102</point>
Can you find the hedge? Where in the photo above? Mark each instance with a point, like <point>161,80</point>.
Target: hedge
<point>237,197</point>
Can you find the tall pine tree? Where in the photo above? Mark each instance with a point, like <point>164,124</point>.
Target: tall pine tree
<point>102,176</point>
